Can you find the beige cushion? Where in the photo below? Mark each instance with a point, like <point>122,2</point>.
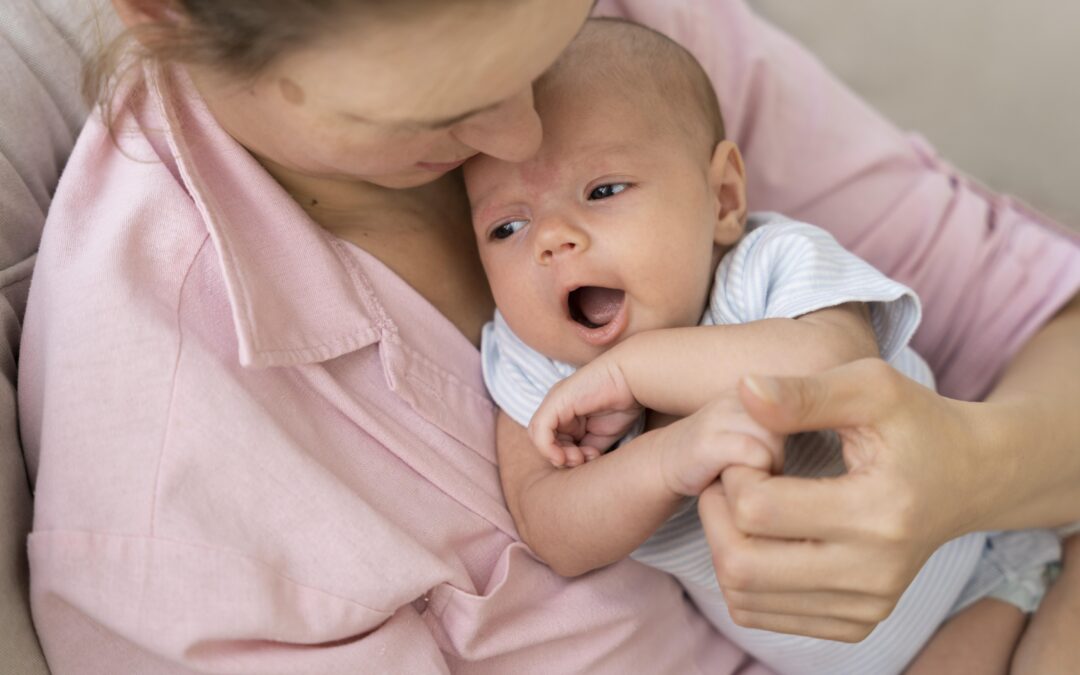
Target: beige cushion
<point>19,650</point>
<point>41,47</point>
<point>991,84</point>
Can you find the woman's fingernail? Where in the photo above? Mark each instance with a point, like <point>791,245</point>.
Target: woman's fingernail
<point>765,388</point>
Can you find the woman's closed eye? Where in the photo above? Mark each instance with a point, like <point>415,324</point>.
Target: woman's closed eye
<point>607,190</point>
<point>508,229</point>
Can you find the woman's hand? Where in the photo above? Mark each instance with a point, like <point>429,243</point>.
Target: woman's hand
<point>830,557</point>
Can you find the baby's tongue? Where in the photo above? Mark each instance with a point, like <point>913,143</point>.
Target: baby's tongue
<point>599,305</point>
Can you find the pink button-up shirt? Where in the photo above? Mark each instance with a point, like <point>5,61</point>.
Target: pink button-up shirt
<point>257,450</point>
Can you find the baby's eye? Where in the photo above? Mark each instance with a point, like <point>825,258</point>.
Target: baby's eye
<point>609,190</point>
<point>507,230</point>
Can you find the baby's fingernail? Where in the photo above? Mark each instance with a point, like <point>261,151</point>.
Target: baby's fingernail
<point>765,388</point>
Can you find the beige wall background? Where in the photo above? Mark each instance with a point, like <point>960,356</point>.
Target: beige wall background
<point>994,84</point>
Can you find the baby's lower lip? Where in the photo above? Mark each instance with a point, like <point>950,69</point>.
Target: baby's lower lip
<point>608,333</point>
<point>441,166</point>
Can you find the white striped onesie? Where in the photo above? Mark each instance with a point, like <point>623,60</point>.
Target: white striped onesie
<point>780,269</point>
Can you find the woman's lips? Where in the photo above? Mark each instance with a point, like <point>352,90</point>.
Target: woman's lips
<point>441,167</point>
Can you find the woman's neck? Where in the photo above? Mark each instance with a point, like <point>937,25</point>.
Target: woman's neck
<point>424,234</point>
<point>335,204</point>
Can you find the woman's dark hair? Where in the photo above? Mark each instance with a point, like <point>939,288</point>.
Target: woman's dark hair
<point>237,37</point>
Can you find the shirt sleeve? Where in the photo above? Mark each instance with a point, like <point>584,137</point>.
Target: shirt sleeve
<point>989,270</point>
<point>783,269</point>
<point>517,377</point>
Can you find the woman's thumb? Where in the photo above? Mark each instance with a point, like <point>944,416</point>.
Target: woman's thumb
<point>845,396</point>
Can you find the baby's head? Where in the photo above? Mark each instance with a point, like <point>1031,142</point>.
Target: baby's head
<point>617,224</point>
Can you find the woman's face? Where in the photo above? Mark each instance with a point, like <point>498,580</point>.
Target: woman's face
<point>400,101</point>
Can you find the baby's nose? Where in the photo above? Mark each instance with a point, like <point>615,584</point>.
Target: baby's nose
<point>557,238</point>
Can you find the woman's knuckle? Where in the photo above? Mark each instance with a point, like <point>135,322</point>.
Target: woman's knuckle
<point>710,500</point>
<point>732,571</point>
<point>908,514</point>
<point>890,583</point>
<point>879,611</point>
<point>889,380</point>
<point>871,610</point>
<point>855,632</point>
<point>738,599</point>
<point>890,532</point>
<point>750,511</point>
<point>745,619</point>
<point>896,527</point>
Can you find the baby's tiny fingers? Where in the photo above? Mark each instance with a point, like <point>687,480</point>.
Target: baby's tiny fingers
<point>544,438</point>
<point>555,455</point>
<point>574,456</point>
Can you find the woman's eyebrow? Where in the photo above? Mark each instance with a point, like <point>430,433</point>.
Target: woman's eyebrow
<point>432,124</point>
<point>450,121</point>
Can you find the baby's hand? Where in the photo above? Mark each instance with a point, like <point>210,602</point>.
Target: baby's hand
<point>717,436</point>
<point>584,414</point>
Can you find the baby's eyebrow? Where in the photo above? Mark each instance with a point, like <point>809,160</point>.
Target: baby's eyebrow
<point>482,205</point>
<point>604,149</point>
<point>479,208</point>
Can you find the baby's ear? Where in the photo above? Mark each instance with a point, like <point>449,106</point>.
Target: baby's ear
<point>727,178</point>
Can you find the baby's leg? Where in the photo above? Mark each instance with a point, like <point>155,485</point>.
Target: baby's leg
<point>979,639</point>
<point>1050,645</point>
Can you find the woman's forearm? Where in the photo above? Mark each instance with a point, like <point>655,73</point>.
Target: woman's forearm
<point>1029,431</point>
<point>579,519</point>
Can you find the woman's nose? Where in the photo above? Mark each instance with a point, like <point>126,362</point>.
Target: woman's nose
<point>556,238</point>
<point>510,131</point>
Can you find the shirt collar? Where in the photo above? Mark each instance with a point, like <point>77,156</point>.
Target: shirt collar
<point>295,296</point>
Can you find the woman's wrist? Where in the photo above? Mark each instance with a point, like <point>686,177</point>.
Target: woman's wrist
<point>990,465</point>
<point>1022,449</point>
<point>1021,477</point>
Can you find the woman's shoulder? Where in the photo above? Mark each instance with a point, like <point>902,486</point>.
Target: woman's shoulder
<point>121,218</point>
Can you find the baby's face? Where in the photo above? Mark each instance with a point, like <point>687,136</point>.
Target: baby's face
<point>608,231</point>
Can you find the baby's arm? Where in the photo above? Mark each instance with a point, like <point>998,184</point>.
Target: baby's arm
<point>677,371</point>
<point>599,513</point>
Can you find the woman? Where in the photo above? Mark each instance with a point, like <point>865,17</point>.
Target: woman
<point>250,390</point>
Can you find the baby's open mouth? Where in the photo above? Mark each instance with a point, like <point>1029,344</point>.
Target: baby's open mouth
<point>594,306</point>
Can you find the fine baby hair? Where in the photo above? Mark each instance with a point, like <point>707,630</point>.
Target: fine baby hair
<point>630,57</point>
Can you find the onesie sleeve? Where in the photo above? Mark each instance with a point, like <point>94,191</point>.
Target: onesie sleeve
<point>784,269</point>
<point>517,377</point>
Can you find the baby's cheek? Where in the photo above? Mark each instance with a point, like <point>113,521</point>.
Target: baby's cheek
<point>689,301</point>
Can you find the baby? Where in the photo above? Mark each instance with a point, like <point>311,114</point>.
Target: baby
<point>633,289</point>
